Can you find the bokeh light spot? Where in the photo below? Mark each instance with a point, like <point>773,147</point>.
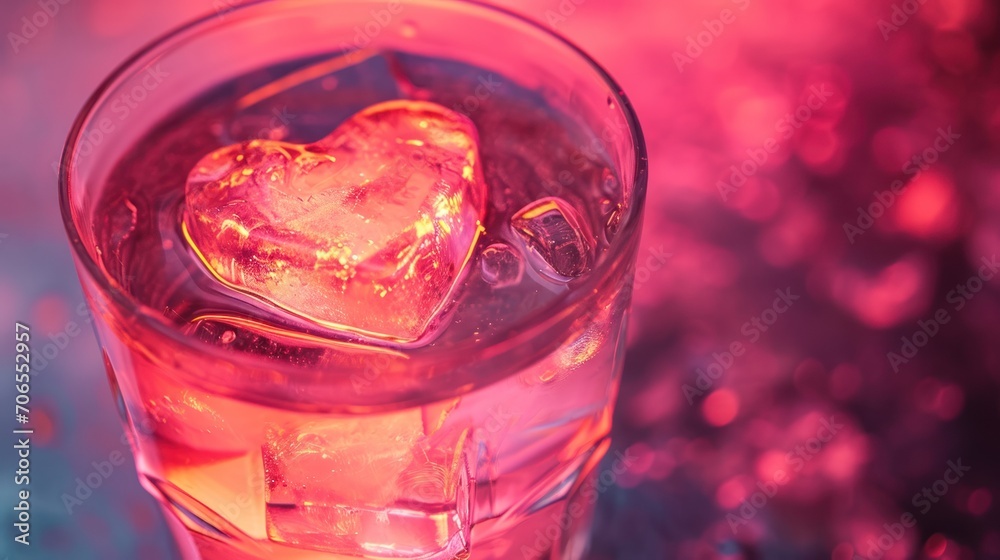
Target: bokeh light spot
<point>721,407</point>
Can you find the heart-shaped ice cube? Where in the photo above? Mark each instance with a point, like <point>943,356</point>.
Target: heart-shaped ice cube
<point>367,230</point>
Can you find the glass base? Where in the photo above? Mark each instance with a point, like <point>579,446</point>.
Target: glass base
<point>559,530</point>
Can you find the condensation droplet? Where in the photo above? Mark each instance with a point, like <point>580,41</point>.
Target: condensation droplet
<point>228,337</point>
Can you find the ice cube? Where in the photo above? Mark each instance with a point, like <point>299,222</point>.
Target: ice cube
<point>342,461</point>
<point>501,266</point>
<point>554,231</point>
<point>367,230</point>
<point>376,485</point>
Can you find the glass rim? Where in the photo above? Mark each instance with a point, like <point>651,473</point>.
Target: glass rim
<point>154,320</point>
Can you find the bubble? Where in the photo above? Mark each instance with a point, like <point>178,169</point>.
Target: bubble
<point>501,266</point>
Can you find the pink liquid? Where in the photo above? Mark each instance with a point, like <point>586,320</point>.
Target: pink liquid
<point>499,467</point>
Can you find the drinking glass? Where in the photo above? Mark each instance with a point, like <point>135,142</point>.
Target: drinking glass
<point>485,446</point>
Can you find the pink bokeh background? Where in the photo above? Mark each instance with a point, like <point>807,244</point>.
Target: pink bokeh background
<point>841,153</point>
